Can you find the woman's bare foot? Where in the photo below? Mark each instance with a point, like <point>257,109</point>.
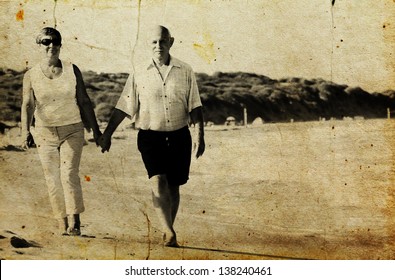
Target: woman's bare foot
<point>63,226</point>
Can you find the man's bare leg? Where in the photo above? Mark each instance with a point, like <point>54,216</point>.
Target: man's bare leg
<point>162,200</point>
<point>175,201</point>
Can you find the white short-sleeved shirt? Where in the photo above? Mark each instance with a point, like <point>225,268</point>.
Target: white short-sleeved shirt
<point>160,105</point>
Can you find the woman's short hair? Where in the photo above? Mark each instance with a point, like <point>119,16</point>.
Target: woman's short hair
<point>48,31</point>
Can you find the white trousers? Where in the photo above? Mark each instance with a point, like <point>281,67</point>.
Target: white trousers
<point>60,150</point>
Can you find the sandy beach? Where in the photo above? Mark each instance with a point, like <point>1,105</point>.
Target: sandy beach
<point>309,190</point>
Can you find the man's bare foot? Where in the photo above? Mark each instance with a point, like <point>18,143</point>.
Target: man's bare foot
<point>171,241</point>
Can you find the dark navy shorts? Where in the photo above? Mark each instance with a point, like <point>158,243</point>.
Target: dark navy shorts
<point>166,153</point>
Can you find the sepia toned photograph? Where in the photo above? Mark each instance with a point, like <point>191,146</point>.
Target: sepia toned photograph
<point>197,130</point>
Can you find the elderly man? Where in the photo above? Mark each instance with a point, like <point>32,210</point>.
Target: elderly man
<point>162,96</point>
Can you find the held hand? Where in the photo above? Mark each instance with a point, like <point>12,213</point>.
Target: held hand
<point>96,137</point>
<point>199,147</point>
<point>105,142</point>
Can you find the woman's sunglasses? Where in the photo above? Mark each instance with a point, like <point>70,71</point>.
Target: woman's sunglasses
<point>47,42</point>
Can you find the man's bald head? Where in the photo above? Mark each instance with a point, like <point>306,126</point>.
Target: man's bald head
<point>160,41</point>
<point>160,30</point>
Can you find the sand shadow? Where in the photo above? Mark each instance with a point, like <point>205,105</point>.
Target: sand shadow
<point>242,253</point>
<point>18,242</point>
<point>87,236</point>
<point>12,148</point>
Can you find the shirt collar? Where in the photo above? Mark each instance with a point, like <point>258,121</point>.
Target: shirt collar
<point>173,62</point>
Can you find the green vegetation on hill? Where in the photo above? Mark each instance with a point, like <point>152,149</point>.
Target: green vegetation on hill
<point>225,94</point>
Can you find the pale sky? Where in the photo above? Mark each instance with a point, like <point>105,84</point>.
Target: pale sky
<point>276,38</point>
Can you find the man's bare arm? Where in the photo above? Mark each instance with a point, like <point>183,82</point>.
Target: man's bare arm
<point>116,118</point>
<point>197,119</point>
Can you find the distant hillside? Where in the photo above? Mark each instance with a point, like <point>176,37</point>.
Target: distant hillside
<point>289,98</point>
<point>224,94</point>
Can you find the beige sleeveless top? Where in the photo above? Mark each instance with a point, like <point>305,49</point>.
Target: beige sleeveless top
<point>56,103</point>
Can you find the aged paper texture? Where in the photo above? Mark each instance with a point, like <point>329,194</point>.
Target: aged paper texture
<point>317,189</point>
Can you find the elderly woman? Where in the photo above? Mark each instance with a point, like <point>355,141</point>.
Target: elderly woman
<point>54,93</point>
